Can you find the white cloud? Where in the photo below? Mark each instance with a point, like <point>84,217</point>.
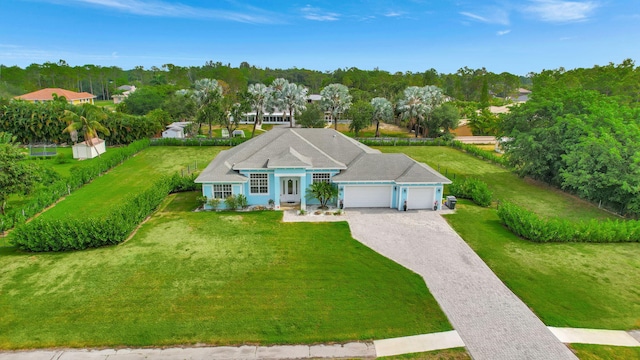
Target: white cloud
<point>503,32</point>
<point>394,14</point>
<point>489,16</point>
<point>317,14</point>
<point>170,9</point>
<point>561,11</point>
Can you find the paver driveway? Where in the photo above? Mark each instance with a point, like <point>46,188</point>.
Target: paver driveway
<point>493,323</point>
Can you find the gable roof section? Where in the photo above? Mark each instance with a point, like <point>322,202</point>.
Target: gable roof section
<point>256,153</point>
<point>316,149</point>
<point>397,168</point>
<point>290,158</point>
<point>47,95</point>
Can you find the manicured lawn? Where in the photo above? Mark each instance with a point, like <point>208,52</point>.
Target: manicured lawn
<point>448,354</point>
<point>565,284</point>
<point>598,352</point>
<point>505,185</point>
<point>137,173</point>
<point>215,278</point>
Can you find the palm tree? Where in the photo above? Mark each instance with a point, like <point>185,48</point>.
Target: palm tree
<point>260,95</point>
<point>293,97</point>
<point>336,100</point>
<point>412,106</point>
<point>207,95</point>
<point>382,111</point>
<point>87,120</point>
<point>433,98</point>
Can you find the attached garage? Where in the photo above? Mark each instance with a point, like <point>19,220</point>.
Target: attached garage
<point>420,198</point>
<point>360,196</point>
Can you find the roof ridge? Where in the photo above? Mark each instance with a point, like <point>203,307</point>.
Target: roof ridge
<point>317,148</point>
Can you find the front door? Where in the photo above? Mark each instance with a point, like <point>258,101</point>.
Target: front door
<point>289,190</point>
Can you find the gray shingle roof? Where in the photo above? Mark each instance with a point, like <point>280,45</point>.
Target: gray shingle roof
<point>316,149</point>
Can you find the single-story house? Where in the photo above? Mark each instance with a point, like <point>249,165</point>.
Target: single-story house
<point>75,98</point>
<point>279,165</point>
<point>126,90</point>
<point>176,130</point>
<point>89,150</point>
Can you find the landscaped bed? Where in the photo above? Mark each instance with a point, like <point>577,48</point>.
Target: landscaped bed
<point>217,278</point>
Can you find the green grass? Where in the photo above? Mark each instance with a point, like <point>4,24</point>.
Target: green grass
<point>599,352</point>
<point>448,354</point>
<point>505,185</point>
<point>136,174</point>
<point>215,278</point>
<point>565,284</point>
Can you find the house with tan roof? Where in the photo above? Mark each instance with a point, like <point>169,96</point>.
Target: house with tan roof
<point>72,97</point>
<point>278,166</point>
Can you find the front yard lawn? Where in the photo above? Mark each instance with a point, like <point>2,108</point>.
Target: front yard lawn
<point>215,278</point>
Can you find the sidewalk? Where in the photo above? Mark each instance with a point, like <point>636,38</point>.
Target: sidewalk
<point>354,350</point>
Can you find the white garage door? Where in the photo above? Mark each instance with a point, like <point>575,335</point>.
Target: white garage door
<point>420,198</point>
<point>367,196</point>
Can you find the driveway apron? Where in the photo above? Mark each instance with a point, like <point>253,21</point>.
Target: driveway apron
<point>493,322</point>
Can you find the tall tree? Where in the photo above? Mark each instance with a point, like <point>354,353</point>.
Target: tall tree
<point>412,107</point>
<point>291,98</point>
<point>16,176</point>
<point>260,96</point>
<point>360,115</point>
<point>382,111</point>
<point>208,97</point>
<point>336,100</point>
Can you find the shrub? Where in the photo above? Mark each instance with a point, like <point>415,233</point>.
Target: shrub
<point>231,202</point>
<point>471,188</point>
<point>530,226</point>
<point>214,203</point>
<point>241,201</point>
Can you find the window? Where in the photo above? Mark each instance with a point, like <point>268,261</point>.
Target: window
<point>321,177</point>
<point>259,183</point>
<point>221,191</point>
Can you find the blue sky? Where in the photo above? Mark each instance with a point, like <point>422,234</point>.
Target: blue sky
<point>501,35</point>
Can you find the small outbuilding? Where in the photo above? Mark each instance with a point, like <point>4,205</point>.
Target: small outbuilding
<point>89,149</point>
<point>176,130</point>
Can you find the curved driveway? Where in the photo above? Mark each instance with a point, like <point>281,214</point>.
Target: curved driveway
<point>493,323</point>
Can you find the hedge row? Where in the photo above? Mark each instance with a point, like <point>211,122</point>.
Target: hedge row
<point>530,226</point>
<point>473,189</point>
<point>81,174</point>
<point>396,141</point>
<point>478,152</point>
<point>198,142</point>
<point>81,233</point>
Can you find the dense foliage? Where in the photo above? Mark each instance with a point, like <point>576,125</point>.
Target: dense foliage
<point>16,176</point>
<point>581,141</point>
<point>473,189</point>
<point>530,226</point>
<point>82,233</point>
<point>45,122</point>
<point>81,174</point>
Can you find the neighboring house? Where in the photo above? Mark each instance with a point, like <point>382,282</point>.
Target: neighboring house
<point>280,164</point>
<point>176,130</point>
<point>72,97</point>
<point>85,151</point>
<point>276,118</point>
<point>523,96</point>
<point>126,90</point>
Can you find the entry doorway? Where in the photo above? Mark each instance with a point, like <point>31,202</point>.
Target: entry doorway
<point>290,190</point>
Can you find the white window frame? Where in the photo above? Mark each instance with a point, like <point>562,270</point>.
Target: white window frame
<point>260,183</point>
<point>222,190</point>
<point>321,177</point>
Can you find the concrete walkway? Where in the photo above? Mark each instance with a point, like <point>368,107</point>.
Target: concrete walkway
<point>354,350</point>
<point>493,323</point>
